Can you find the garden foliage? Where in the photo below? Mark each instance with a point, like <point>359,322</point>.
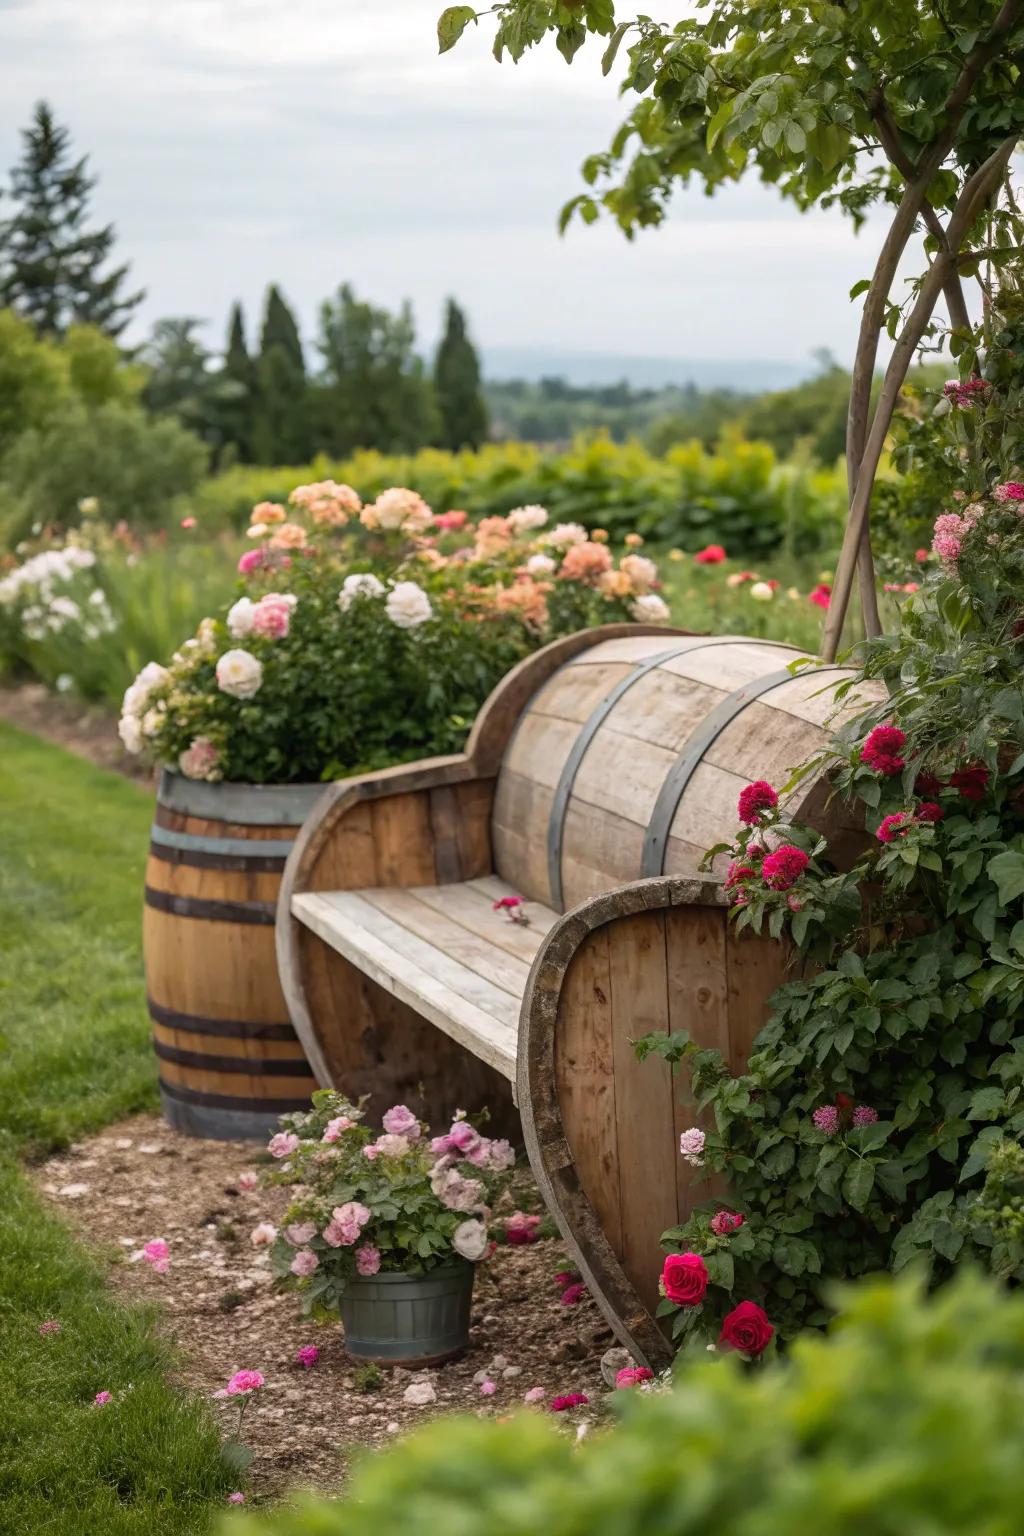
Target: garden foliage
<point>909,1417</point>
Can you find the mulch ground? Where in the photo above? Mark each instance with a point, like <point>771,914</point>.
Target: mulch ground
<point>140,1180</point>
<point>87,730</point>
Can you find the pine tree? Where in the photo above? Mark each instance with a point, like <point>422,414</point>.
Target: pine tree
<point>281,427</point>
<point>457,384</point>
<point>238,377</point>
<point>50,261</point>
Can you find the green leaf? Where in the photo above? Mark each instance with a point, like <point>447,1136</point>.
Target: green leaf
<point>1007,870</point>
<point>608,57</point>
<point>796,139</point>
<point>451,25</point>
<point>858,1184</point>
<point>719,121</point>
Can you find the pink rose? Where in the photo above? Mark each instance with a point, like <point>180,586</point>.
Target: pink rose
<point>200,760</point>
<point>300,1233</point>
<point>725,1222</point>
<point>243,1382</point>
<point>520,1228</point>
<point>684,1279</point>
<point>633,1376</point>
<point>746,1329</point>
<point>351,1214</point>
<point>272,616</point>
<point>158,1255</point>
<point>400,1121</point>
<point>247,1182</point>
<point>307,1356</point>
<point>283,1144</point>
<point>367,1259</point>
<point>463,1136</point>
<point>334,1128</point>
<point>102,1398</point>
<point>250,561</point>
<point>263,1234</point>
<point>304,1262</point>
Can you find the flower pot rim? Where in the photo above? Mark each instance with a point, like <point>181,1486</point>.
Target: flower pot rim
<point>394,1277</point>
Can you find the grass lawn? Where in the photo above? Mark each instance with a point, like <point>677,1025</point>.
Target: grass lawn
<point>74,1055</point>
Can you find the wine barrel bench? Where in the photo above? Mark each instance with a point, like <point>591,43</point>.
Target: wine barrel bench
<point>229,1060</point>
<point>595,777</point>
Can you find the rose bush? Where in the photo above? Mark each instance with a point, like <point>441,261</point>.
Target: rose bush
<point>881,1115</point>
<point>398,1202</point>
<point>367,635</point>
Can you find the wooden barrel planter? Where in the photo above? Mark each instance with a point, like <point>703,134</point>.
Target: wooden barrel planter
<point>229,1060</point>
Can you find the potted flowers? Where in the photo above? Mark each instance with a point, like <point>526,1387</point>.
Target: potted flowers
<point>387,1227</point>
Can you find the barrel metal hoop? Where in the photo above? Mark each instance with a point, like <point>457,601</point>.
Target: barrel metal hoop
<point>229,863</point>
<point>229,1101</point>
<point>693,754</point>
<point>253,805</point>
<point>589,729</point>
<point>259,1066</point>
<point>226,1029</point>
<point>261,913</point>
<point>234,847</point>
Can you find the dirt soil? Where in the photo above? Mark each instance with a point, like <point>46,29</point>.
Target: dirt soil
<point>140,1180</point>
<point>90,731</point>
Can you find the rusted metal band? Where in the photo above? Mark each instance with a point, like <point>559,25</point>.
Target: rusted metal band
<point>261,913</point>
<point>229,1101</point>
<point>255,1066</point>
<point>679,775</point>
<point>589,729</point>
<point>227,1029</point>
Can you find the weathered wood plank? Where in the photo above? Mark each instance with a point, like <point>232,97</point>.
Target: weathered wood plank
<point>431,923</point>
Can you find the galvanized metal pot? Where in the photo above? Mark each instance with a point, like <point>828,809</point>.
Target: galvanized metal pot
<point>409,1319</point>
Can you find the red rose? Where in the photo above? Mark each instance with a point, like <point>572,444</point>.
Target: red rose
<point>972,782</point>
<point>684,1278</point>
<point>746,1329</point>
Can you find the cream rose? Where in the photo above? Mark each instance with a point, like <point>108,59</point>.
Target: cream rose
<point>408,605</point>
<point>239,674</point>
<point>363,584</point>
<point>470,1239</point>
<point>650,609</point>
<point>526,519</point>
<point>240,616</point>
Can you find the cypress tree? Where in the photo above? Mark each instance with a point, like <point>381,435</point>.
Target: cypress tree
<point>457,385</point>
<point>238,378</point>
<point>50,261</point>
<point>281,426</point>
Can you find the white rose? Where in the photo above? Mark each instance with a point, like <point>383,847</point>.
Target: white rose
<point>761,592</point>
<point>540,565</point>
<point>152,720</point>
<point>364,584</point>
<point>565,534</point>
<point>137,694</point>
<point>525,519</point>
<point>239,674</point>
<point>650,609</point>
<point>408,605</point>
<point>240,618</point>
<point>130,732</point>
<point>470,1239</point>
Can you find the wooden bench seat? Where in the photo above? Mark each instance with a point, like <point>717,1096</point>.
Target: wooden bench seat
<point>443,950</point>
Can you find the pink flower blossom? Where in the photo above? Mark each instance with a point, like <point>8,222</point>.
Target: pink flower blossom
<point>712,554</point>
<point>263,1234</point>
<point>826,1119</point>
<point>488,1388</point>
<point>248,1181</point>
<point>307,1356</point>
<point>724,1222</point>
<point>1010,490</point>
<point>882,748</point>
<point>188,523</point>
<point>244,1382</point>
<point>392,1146</point>
<point>454,1191</point>
<point>450,521</point>
<point>251,561</point>
<point>102,1398</point>
<point>946,547</point>
<point>865,1115</point>
<point>300,1233</point>
<point>500,1156</point>
<point>784,867</point>
<point>821,596</point>
<point>921,555</point>
<point>534,1395</point>
<point>371,1152</point>
<point>691,1146</point>
<point>236,1498</point>
<point>568,1400</point>
<point>573,1294</point>
<point>283,1144</point>
<point>400,1121</point>
<point>520,1228</point>
<point>892,827</point>
<point>929,811</point>
<point>633,1376</point>
<point>367,1260</point>
<point>271,617</point>
<point>52,1326</point>
<point>565,1278</point>
<point>304,1263</point>
<point>158,1255</point>
<point>335,1127</point>
<point>755,799</point>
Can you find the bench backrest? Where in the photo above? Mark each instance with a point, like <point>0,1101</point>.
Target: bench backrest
<point>629,760</point>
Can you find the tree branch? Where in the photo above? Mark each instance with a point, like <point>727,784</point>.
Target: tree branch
<point>969,204</point>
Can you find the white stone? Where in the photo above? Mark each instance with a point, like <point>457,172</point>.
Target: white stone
<point>73,1191</point>
<point>419,1394</point>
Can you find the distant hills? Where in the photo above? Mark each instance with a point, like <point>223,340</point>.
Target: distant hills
<point>749,375</point>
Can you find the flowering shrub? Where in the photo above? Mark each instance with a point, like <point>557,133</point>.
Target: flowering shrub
<point>365,635</point>
<point>398,1202</point>
<point>880,1117</point>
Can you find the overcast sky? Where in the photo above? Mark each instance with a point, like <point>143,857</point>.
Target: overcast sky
<point>316,141</point>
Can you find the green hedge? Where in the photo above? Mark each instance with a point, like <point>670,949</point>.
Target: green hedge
<point>906,1421</point>
<point>740,495</point>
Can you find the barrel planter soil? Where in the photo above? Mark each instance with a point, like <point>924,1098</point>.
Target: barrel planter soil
<point>229,1061</point>
<point>409,1320</point>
